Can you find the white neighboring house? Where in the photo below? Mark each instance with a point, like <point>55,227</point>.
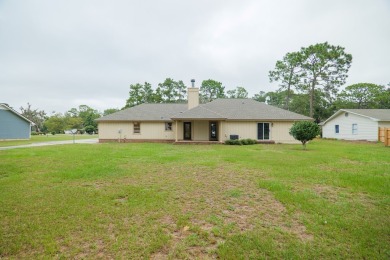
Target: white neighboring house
<point>356,124</point>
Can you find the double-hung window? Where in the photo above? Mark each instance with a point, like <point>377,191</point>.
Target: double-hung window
<point>136,128</point>
<point>354,129</point>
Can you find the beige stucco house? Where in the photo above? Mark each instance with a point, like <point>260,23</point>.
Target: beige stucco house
<point>216,121</point>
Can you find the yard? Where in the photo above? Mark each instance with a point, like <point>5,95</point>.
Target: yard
<point>196,201</point>
<point>45,138</point>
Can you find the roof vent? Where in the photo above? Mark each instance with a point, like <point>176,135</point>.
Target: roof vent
<point>193,83</point>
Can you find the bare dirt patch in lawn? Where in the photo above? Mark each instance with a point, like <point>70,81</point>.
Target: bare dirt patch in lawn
<point>336,194</point>
<point>216,202</point>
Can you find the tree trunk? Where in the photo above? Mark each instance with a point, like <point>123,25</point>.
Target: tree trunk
<point>288,97</point>
<point>312,97</point>
<point>288,90</point>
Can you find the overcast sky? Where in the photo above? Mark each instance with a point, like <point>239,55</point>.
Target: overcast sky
<point>60,54</point>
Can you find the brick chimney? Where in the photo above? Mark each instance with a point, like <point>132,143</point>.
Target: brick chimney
<point>193,95</point>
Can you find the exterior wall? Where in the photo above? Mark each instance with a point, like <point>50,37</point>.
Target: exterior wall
<point>199,130</point>
<point>384,124</point>
<point>12,126</point>
<point>152,131</point>
<point>279,131</point>
<point>149,131</point>
<point>367,129</point>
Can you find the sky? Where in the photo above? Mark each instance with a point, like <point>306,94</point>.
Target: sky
<point>57,55</point>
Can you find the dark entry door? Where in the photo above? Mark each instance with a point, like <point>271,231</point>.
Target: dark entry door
<point>263,131</point>
<point>213,131</point>
<point>187,130</point>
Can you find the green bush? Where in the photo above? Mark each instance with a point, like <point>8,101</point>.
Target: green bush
<point>34,133</point>
<point>53,133</point>
<point>304,131</point>
<point>241,142</point>
<point>90,129</point>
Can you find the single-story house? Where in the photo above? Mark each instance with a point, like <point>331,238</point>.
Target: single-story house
<point>356,124</point>
<point>13,125</point>
<point>216,121</point>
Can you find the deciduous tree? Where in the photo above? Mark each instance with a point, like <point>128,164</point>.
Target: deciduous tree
<point>364,95</point>
<point>171,91</point>
<point>38,117</point>
<point>210,90</point>
<point>140,93</point>
<point>238,92</point>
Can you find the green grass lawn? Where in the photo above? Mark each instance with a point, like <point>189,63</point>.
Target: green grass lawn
<point>45,138</point>
<point>196,201</point>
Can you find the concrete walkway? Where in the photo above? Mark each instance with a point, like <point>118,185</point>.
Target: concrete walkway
<point>81,141</point>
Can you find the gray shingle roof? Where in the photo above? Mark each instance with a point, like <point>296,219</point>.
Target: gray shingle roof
<point>239,109</point>
<point>374,114</point>
<point>220,109</point>
<point>146,112</point>
<point>378,114</point>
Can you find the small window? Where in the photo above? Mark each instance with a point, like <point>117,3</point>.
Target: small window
<point>346,114</point>
<point>136,128</point>
<point>354,129</point>
<point>168,126</point>
<point>336,129</point>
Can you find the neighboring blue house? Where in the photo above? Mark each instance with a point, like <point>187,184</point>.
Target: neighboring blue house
<point>13,125</point>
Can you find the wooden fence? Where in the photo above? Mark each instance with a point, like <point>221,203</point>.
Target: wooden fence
<point>384,135</point>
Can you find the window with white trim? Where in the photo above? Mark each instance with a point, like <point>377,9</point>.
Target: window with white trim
<point>136,128</point>
<point>354,129</point>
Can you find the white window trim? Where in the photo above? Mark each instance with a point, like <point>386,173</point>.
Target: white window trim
<point>354,130</point>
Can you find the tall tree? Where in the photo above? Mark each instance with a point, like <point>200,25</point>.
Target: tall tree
<point>172,91</point>
<point>288,73</point>
<point>38,117</point>
<point>324,66</point>
<point>238,92</point>
<point>140,93</point>
<point>210,90</point>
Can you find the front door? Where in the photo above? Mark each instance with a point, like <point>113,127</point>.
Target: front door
<point>263,131</point>
<point>213,131</point>
<point>187,130</point>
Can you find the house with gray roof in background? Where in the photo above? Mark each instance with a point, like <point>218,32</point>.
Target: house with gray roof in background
<point>356,124</point>
<point>13,125</point>
<point>216,121</point>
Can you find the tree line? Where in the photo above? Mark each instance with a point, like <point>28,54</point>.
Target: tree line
<point>81,118</point>
<point>309,79</point>
<point>172,91</point>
